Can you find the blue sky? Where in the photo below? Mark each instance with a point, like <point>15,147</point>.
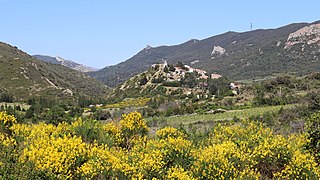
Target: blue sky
<point>102,32</point>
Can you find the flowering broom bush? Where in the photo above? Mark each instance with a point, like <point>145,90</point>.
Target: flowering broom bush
<point>125,150</point>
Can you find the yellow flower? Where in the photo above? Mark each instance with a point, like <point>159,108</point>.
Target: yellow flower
<point>133,122</point>
<point>57,155</point>
<point>169,132</point>
<point>7,120</point>
<point>179,173</point>
<point>245,150</point>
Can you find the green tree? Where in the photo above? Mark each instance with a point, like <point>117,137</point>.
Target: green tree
<point>190,80</point>
<point>166,69</point>
<point>17,107</point>
<point>31,101</point>
<point>219,87</point>
<point>313,99</point>
<point>34,111</point>
<point>10,110</point>
<point>143,80</point>
<point>56,115</point>
<point>75,112</point>
<point>172,68</point>
<point>101,115</point>
<point>6,98</point>
<point>313,129</point>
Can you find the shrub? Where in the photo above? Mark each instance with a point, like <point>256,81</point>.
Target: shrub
<point>313,99</point>
<point>313,129</point>
<point>241,150</point>
<point>6,120</point>
<point>132,126</point>
<point>172,84</point>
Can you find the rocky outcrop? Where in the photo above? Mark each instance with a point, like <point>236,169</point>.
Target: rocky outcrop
<point>218,50</point>
<point>305,36</point>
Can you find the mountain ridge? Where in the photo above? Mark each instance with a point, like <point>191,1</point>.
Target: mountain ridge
<point>254,49</point>
<point>66,63</point>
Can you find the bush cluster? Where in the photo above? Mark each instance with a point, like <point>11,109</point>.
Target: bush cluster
<point>125,150</point>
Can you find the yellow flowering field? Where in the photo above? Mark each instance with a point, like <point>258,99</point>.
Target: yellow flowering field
<point>134,102</point>
<point>87,149</point>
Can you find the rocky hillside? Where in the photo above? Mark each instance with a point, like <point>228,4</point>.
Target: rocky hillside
<point>66,63</point>
<point>23,77</point>
<point>247,55</point>
<point>174,80</point>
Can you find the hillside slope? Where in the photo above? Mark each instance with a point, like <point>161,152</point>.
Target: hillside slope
<point>176,81</point>
<point>235,55</point>
<point>66,63</point>
<point>23,76</point>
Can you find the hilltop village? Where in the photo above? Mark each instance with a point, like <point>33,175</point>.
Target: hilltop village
<point>178,71</point>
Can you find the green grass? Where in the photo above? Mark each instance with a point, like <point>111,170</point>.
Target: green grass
<point>205,118</point>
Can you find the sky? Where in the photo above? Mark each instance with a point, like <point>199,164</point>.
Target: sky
<point>100,33</point>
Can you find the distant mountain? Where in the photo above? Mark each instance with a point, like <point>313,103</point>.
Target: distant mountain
<point>24,76</point>
<point>247,55</point>
<point>67,63</point>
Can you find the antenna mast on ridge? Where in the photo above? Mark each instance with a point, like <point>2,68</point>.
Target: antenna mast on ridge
<point>251,27</point>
